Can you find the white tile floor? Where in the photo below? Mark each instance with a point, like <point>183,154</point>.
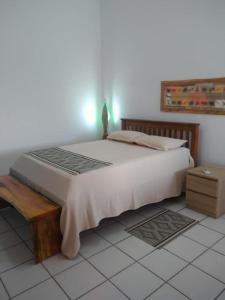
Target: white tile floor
<point>113,265</point>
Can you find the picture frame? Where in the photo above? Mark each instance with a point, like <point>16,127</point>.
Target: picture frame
<point>200,96</point>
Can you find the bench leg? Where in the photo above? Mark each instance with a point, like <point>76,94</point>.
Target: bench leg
<point>46,236</point>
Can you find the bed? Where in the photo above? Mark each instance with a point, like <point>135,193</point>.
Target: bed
<point>129,176</point>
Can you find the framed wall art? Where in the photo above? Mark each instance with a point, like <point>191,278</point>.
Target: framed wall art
<point>201,96</point>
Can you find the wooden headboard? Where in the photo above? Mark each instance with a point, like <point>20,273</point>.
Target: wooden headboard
<point>177,130</point>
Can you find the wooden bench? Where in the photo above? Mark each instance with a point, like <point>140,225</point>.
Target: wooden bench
<point>43,214</point>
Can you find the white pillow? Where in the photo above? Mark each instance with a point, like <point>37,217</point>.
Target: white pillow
<point>159,142</point>
<point>127,136</point>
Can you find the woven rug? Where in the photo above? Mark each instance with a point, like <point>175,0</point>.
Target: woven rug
<point>161,228</point>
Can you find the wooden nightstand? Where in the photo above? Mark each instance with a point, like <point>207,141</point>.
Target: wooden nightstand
<point>206,193</point>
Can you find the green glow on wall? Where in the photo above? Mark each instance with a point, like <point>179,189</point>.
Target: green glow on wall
<point>90,113</point>
<point>116,112</point>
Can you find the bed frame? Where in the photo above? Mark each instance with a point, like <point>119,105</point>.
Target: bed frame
<point>44,215</point>
<point>177,130</point>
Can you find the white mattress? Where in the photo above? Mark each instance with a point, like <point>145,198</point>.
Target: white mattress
<point>137,176</point>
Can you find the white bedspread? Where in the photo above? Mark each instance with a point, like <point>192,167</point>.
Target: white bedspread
<point>137,176</point>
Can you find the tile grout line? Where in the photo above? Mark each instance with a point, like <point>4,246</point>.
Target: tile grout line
<point>212,229</point>
<point>188,263</point>
<point>7,230</point>
<point>77,263</point>
<point>219,294</point>
<point>101,236</point>
<point>11,226</point>
<point>164,281</point>
<point>152,293</point>
<point>191,263</point>
<point>135,261</point>
<point>7,292</point>
<point>30,288</point>
<point>122,292</point>
<point>67,268</point>
<point>91,290</point>
<point>22,242</point>
<point>12,246</point>
<point>13,230</point>
<point>52,277</point>
<point>86,259</point>
<point>209,247</point>
<point>107,279</point>
<point>202,243</point>
<point>214,250</point>
<point>10,269</point>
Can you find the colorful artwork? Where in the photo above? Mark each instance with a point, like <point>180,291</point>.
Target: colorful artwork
<point>203,96</point>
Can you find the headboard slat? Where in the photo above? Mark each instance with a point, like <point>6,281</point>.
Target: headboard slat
<point>187,131</point>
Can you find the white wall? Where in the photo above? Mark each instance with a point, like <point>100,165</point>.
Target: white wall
<point>50,69</point>
<point>56,57</point>
<point>146,41</point>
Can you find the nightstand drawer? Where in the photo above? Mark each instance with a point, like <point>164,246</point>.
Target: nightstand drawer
<point>201,203</point>
<point>202,185</point>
